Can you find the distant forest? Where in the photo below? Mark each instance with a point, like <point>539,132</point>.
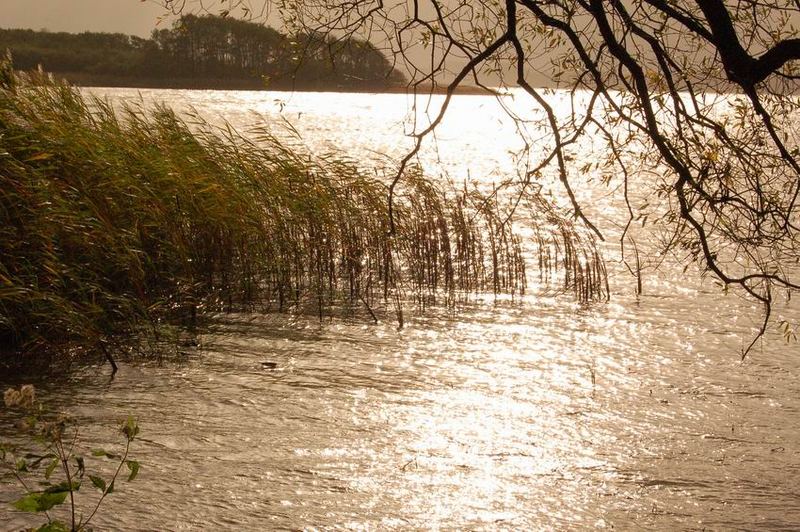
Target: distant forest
<point>205,52</point>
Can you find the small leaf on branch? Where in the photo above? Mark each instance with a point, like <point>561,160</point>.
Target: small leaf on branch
<point>51,468</point>
<point>98,482</point>
<point>133,465</point>
<point>103,452</point>
<point>130,428</point>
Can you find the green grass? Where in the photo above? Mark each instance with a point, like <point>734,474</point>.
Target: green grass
<point>114,222</point>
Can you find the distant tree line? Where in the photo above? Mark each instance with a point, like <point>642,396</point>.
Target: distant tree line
<point>205,51</point>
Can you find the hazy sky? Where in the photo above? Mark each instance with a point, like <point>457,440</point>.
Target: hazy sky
<point>124,16</point>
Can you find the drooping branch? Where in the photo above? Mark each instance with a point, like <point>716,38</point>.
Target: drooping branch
<point>419,137</point>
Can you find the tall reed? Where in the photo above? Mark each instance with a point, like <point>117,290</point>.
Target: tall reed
<point>116,221</point>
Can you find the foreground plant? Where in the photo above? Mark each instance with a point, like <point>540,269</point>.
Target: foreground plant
<point>50,454</point>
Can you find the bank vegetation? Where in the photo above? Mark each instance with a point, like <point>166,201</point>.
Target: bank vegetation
<point>116,222</point>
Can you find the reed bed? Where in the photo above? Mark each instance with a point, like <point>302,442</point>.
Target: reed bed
<point>115,222</point>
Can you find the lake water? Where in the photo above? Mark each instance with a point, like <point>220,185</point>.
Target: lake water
<point>532,414</point>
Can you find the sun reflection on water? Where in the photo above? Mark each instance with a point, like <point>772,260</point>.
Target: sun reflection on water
<point>531,413</point>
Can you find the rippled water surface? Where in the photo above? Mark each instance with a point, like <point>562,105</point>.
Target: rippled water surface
<point>501,415</point>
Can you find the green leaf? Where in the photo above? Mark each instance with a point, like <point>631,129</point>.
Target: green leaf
<point>29,503</point>
<point>110,488</point>
<point>63,486</point>
<point>40,501</point>
<point>130,429</point>
<point>51,468</point>
<point>22,465</point>
<point>133,465</point>
<point>103,452</point>
<point>98,482</point>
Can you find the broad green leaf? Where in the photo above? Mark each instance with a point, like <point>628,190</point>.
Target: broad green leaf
<point>98,482</point>
<point>40,501</point>
<point>29,503</point>
<point>110,488</point>
<point>133,465</point>
<point>22,465</point>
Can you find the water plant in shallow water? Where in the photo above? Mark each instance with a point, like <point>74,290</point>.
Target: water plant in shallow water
<point>116,220</point>
<point>50,452</point>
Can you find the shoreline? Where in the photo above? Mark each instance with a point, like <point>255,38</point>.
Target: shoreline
<point>93,81</point>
